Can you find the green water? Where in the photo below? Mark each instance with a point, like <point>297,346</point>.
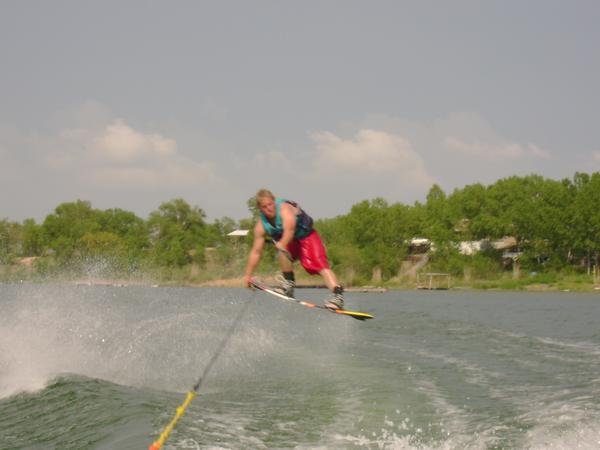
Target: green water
<point>105,367</point>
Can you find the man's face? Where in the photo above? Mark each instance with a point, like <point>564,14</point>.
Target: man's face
<point>267,207</point>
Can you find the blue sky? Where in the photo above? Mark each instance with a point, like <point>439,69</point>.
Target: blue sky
<point>129,104</point>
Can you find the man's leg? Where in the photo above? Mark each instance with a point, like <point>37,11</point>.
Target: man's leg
<point>329,278</point>
<point>336,301</point>
<point>285,263</point>
<point>314,259</point>
<point>288,283</point>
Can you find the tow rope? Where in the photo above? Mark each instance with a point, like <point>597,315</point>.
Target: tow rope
<point>156,445</point>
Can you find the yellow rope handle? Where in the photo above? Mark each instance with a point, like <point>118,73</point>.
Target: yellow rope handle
<point>165,434</point>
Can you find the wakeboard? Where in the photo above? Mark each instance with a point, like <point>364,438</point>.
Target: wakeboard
<point>270,290</point>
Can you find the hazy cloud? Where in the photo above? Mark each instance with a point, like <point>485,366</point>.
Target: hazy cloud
<point>120,156</point>
<point>491,151</point>
<point>371,152</point>
<point>120,144</point>
<point>96,157</point>
<point>461,148</point>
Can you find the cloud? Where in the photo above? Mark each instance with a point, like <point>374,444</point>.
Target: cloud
<point>119,156</point>
<point>461,148</point>
<point>120,144</point>
<point>466,134</point>
<point>371,152</point>
<point>491,151</point>
<point>335,172</point>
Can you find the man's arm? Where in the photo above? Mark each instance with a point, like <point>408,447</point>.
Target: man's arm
<point>255,252</point>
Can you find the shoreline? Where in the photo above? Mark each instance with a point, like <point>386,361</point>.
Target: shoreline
<point>238,282</point>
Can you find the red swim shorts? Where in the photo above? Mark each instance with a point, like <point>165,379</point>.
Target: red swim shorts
<point>310,251</point>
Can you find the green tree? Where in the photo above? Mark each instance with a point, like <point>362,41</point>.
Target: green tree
<point>131,229</point>
<point>379,232</point>
<point>63,229</point>
<point>584,216</point>
<point>440,220</point>
<point>102,244</point>
<point>177,233</point>
<point>225,225</point>
<point>469,206</point>
<point>252,207</point>
<point>33,238</point>
<point>10,241</point>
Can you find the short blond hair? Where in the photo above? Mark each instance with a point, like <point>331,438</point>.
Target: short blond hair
<point>263,193</point>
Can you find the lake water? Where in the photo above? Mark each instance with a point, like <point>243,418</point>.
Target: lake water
<point>89,367</point>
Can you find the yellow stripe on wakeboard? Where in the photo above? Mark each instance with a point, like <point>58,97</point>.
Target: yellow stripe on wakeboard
<point>355,314</point>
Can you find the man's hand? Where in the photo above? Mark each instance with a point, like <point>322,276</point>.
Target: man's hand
<point>283,249</point>
<point>248,280</point>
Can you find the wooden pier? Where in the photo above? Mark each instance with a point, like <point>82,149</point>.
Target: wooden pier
<point>434,281</point>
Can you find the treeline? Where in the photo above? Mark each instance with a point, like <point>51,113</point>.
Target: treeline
<point>78,237</point>
<point>556,225</point>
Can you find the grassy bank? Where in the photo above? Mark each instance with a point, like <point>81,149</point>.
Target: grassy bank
<point>230,275</point>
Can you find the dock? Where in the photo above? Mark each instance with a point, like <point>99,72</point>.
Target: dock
<point>434,281</point>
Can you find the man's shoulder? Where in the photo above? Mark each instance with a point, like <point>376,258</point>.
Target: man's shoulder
<point>288,208</point>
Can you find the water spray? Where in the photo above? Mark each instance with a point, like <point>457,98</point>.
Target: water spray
<point>156,445</point>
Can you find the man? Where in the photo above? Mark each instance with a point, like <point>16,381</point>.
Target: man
<point>292,231</point>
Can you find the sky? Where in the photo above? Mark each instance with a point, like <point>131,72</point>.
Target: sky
<point>128,104</point>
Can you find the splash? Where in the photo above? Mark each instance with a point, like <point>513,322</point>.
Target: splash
<point>158,338</point>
